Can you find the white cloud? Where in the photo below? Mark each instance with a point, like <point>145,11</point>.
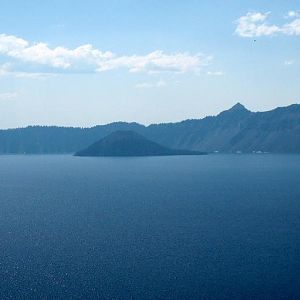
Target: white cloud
<point>11,44</point>
<point>32,75</point>
<point>289,62</point>
<point>254,24</point>
<point>215,73</point>
<point>8,95</point>
<point>147,85</point>
<point>87,58</point>
<point>292,14</point>
<point>157,61</point>
<point>4,69</point>
<point>292,28</point>
<point>40,53</point>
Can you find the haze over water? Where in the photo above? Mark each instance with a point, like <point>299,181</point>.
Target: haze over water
<point>217,226</point>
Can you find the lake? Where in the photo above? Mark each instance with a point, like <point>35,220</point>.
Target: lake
<point>183,227</point>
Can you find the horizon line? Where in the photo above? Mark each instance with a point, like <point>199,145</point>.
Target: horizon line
<point>141,124</point>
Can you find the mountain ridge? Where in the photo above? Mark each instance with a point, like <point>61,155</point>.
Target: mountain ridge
<point>235,129</point>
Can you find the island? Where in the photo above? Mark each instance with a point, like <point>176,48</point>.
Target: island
<point>130,143</point>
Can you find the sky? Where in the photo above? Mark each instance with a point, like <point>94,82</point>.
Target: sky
<point>83,63</point>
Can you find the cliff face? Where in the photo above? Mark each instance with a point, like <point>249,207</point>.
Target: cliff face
<point>236,129</point>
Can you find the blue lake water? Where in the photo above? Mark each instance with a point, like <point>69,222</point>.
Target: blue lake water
<point>186,227</point>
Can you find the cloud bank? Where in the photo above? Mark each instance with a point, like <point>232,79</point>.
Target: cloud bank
<point>86,58</point>
<point>8,95</point>
<point>254,24</point>
<point>215,73</point>
<point>148,85</point>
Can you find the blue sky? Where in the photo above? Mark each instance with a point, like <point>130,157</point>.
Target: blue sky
<point>81,63</point>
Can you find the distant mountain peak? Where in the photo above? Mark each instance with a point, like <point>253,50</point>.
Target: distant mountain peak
<point>236,110</point>
<point>238,107</point>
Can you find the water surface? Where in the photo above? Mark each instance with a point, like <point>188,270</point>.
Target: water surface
<point>186,227</point>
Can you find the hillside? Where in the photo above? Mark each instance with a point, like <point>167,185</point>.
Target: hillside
<point>236,129</point>
<point>129,143</point>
